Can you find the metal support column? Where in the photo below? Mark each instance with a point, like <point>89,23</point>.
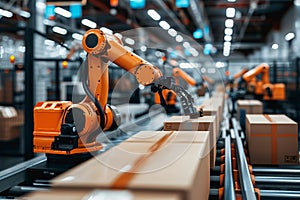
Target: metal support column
<point>274,71</point>
<point>297,88</point>
<point>29,81</point>
<point>57,72</point>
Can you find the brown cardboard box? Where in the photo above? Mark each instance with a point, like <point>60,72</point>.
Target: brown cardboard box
<point>187,137</point>
<point>11,121</point>
<point>272,139</point>
<point>174,168</point>
<point>81,194</point>
<point>247,107</point>
<point>205,123</point>
<point>210,107</point>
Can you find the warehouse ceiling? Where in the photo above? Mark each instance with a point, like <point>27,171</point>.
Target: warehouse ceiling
<point>252,22</point>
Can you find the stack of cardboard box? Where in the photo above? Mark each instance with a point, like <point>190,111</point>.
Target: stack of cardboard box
<point>161,162</point>
<point>272,139</point>
<point>247,107</point>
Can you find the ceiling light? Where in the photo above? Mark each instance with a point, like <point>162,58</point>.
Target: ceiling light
<point>119,35</point>
<point>230,12</point>
<point>289,36</point>
<point>49,42</point>
<point>179,38</point>
<point>220,64</point>
<point>231,0</point>
<point>229,23</point>
<point>6,13</point>
<point>89,23</point>
<point>25,14</point>
<point>77,36</point>
<point>153,14</point>
<point>129,41</point>
<point>106,30</point>
<point>186,45</point>
<point>226,53</point>
<point>172,32</point>
<point>228,31</point>
<point>128,48</point>
<point>198,34</point>
<point>164,25</point>
<point>143,48</point>
<point>59,30</point>
<point>227,44</point>
<point>62,12</point>
<point>297,2</point>
<point>227,38</point>
<point>40,5</point>
<point>275,46</point>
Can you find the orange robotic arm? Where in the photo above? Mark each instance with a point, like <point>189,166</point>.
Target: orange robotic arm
<point>177,72</point>
<point>260,69</point>
<point>66,128</point>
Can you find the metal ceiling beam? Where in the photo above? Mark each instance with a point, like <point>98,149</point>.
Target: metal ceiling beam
<point>172,16</point>
<point>197,11</point>
<point>253,6</point>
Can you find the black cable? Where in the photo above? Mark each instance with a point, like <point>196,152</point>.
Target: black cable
<point>91,96</point>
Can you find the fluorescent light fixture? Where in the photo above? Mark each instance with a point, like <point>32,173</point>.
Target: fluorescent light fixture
<point>186,45</point>
<point>198,34</point>
<point>227,44</point>
<point>88,23</point>
<point>6,13</point>
<point>275,46</point>
<point>179,38</point>
<point>227,38</point>
<point>62,12</point>
<point>172,32</point>
<point>77,36</point>
<point>129,41</point>
<point>49,42</point>
<point>106,30</point>
<point>40,5</point>
<point>128,48</point>
<point>22,49</point>
<point>226,53</point>
<point>164,25</point>
<point>143,48</point>
<point>119,35</point>
<point>59,30</point>
<point>231,0</point>
<point>113,11</point>
<point>229,23</point>
<point>188,65</point>
<point>153,14</point>
<point>297,2</point>
<point>25,14</point>
<point>289,36</point>
<point>228,31</point>
<point>230,12</point>
<point>220,64</point>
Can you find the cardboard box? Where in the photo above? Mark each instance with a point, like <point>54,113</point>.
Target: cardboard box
<point>272,139</point>
<point>173,168</point>
<point>205,123</point>
<point>187,137</point>
<point>247,107</point>
<point>97,194</point>
<point>211,108</point>
<point>11,121</point>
